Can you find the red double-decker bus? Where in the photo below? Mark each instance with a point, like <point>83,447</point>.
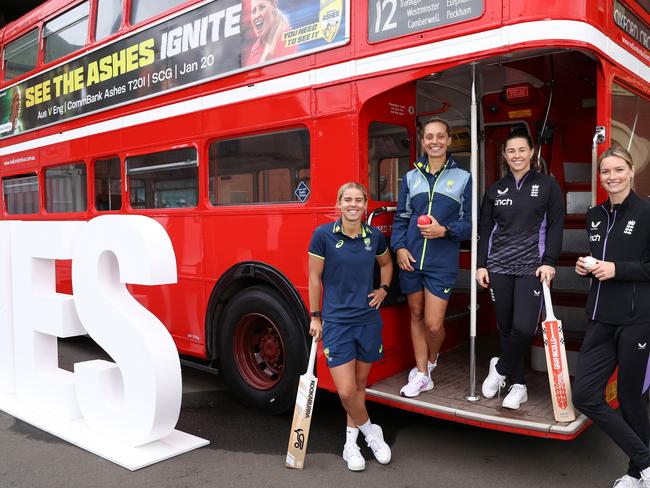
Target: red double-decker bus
<point>233,123</point>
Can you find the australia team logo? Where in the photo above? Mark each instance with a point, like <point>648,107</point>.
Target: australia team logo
<point>450,185</point>
<point>329,18</point>
<point>366,241</point>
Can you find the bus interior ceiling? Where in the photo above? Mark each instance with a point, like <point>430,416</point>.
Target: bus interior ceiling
<point>513,92</point>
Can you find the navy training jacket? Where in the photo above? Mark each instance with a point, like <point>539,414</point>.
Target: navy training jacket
<point>448,200</point>
<point>623,237</point>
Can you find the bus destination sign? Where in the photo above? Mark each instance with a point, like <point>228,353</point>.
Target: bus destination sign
<point>394,18</point>
<point>213,40</point>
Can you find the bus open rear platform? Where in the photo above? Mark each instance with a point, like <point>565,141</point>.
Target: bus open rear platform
<point>448,399</point>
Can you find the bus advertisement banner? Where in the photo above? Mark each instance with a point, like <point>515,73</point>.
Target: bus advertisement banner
<point>211,41</point>
<point>634,27</point>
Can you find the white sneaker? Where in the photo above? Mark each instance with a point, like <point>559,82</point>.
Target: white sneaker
<point>517,395</point>
<point>352,456</point>
<point>380,449</point>
<point>644,482</point>
<point>494,381</point>
<point>627,481</point>
<point>430,367</point>
<point>420,382</point>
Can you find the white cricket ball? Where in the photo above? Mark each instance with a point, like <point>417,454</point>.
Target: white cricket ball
<point>589,261</point>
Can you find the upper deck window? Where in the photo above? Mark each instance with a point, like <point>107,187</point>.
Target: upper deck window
<point>66,33</point>
<point>145,9</point>
<point>109,18</point>
<point>20,55</point>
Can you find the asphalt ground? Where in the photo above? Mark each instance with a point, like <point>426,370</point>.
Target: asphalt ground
<point>247,449</point>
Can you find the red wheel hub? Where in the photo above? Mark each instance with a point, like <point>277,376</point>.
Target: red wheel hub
<point>259,351</point>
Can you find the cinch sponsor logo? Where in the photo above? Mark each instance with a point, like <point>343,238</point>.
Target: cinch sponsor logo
<point>594,238</point>
<point>503,202</point>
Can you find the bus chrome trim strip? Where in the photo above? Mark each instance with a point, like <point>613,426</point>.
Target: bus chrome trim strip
<point>567,429</point>
<point>551,30</point>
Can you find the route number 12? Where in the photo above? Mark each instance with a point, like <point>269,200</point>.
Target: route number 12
<point>389,23</point>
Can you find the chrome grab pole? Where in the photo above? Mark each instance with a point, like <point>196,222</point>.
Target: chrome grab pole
<point>379,211</point>
<point>472,396</point>
<point>599,138</point>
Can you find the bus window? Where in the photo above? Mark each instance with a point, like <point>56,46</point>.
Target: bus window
<point>388,159</point>
<point>267,168</point>
<point>631,121</point>
<point>108,18</point>
<point>66,189</point>
<point>167,179</point>
<point>66,33</point>
<point>108,184</point>
<point>145,9</point>
<point>20,55</point>
<point>21,194</point>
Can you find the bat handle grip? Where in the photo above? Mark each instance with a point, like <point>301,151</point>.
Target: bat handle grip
<point>312,357</point>
<point>548,304</point>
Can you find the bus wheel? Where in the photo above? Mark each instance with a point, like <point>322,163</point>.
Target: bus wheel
<point>263,350</point>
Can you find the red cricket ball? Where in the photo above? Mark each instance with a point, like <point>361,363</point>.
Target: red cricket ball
<point>424,220</point>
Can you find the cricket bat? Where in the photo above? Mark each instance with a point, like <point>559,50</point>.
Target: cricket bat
<point>556,363</point>
<point>302,414</point>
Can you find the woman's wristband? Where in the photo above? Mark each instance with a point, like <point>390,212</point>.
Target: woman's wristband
<point>385,287</point>
<point>315,314</point>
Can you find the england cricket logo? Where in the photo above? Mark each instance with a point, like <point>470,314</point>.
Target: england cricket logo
<point>629,227</point>
<point>534,191</point>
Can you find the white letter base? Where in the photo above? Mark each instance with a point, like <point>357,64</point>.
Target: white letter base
<point>78,433</point>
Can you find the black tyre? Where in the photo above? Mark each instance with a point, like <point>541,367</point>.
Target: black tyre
<point>263,349</point>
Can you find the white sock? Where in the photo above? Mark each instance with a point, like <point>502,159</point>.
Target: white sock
<point>645,474</point>
<point>366,428</point>
<point>432,365</point>
<point>351,434</point>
